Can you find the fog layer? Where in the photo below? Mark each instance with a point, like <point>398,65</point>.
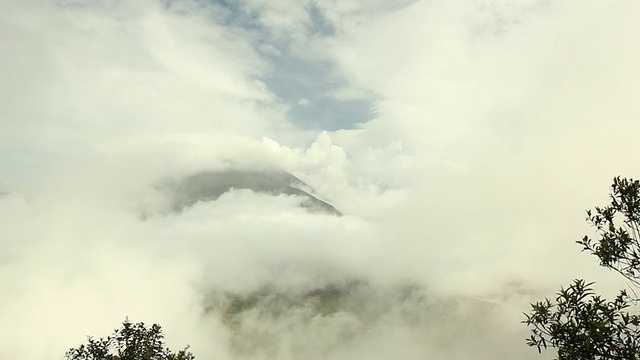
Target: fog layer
<point>489,127</point>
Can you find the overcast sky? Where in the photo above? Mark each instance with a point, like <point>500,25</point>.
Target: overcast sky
<point>463,141</point>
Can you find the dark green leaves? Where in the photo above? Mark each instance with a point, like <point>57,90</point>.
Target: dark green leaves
<point>131,342</point>
<point>580,324</point>
<point>583,325</point>
<point>617,227</point>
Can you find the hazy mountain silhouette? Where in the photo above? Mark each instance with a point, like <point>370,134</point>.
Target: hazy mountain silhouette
<point>210,185</point>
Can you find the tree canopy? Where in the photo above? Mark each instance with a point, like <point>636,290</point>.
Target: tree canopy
<point>130,342</point>
<point>581,324</point>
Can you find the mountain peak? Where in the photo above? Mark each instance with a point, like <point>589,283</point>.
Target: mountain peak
<point>210,185</point>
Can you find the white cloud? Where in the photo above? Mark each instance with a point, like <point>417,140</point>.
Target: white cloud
<point>282,19</point>
<point>497,124</point>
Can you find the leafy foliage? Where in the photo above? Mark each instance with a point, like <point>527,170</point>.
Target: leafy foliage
<point>131,342</point>
<point>618,245</point>
<point>581,324</point>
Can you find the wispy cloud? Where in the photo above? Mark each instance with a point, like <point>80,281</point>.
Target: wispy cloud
<point>461,141</point>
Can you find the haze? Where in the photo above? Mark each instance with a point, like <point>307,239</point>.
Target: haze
<point>457,142</point>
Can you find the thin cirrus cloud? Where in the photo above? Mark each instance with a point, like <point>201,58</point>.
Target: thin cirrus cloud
<point>462,143</point>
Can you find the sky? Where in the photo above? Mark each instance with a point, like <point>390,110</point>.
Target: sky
<point>462,141</point>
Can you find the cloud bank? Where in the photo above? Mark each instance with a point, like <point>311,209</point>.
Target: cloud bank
<point>478,134</point>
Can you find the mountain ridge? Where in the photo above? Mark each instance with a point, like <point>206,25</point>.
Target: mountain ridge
<point>210,185</point>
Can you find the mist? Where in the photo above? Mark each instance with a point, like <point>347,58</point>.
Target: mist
<point>417,171</point>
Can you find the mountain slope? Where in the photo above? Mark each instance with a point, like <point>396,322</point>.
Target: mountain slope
<point>210,185</point>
